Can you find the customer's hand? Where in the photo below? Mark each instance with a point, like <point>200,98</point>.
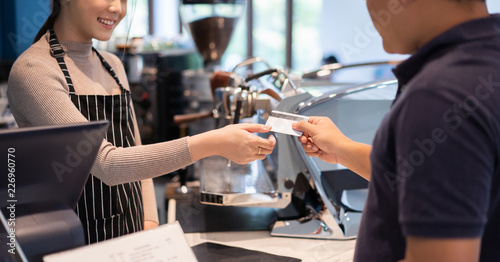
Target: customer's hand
<point>234,142</point>
<point>321,138</point>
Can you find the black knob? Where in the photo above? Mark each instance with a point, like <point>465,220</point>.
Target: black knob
<point>288,183</point>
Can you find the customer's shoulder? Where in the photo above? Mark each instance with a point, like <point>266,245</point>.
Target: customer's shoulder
<point>461,68</point>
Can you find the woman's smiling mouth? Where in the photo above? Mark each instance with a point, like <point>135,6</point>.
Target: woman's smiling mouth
<point>106,22</point>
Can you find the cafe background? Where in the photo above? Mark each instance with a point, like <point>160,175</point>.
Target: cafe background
<point>299,35</point>
<point>170,78</point>
<point>319,29</point>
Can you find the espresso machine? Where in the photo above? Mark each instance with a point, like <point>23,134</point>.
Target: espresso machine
<point>313,199</point>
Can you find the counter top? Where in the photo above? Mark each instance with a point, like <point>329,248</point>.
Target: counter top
<point>308,250</point>
<point>196,220</point>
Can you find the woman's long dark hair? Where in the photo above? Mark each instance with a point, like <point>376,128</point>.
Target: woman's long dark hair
<point>49,23</point>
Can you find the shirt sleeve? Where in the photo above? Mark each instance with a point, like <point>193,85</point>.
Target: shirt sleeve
<point>38,96</point>
<point>445,162</point>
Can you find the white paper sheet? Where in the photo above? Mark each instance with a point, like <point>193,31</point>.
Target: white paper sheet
<point>165,243</point>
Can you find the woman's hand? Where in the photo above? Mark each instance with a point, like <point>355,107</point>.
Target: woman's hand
<point>234,142</point>
<point>241,146</point>
<point>150,224</point>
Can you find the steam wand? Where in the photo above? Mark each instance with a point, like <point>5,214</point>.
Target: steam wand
<point>272,71</point>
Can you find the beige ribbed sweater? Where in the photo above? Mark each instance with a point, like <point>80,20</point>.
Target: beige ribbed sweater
<point>39,96</point>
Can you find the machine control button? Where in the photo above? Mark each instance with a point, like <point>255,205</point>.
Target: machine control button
<point>288,183</point>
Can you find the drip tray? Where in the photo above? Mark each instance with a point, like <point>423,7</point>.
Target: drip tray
<point>229,184</point>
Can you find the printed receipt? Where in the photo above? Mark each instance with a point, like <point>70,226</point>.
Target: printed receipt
<point>281,122</point>
<point>164,243</point>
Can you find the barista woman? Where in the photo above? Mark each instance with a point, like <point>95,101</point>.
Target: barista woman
<point>62,79</point>
<point>434,169</point>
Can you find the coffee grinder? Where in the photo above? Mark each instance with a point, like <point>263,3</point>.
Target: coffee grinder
<point>211,24</point>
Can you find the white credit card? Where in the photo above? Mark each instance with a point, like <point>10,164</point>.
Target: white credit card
<point>281,122</point>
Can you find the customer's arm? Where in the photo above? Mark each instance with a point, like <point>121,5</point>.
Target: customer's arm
<point>442,249</point>
<point>323,139</point>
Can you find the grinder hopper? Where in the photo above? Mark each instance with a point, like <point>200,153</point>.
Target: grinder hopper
<point>211,24</point>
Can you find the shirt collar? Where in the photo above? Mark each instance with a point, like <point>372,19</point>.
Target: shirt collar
<point>469,31</point>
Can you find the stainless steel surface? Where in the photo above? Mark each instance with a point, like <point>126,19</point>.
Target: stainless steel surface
<point>313,228</point>
<point>248,178</point>
<point>251,61</point>
<point>357,111</point>
<point>322,227</point>
<point>226,99</point>
<point>135,65</point>
<point>376,91</point>
<point>328,69</point>
<point>235,184</point>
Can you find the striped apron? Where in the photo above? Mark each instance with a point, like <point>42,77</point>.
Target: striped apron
<point>106,211</point>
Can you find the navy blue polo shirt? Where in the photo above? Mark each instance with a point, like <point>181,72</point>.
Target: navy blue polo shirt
<point>435,158</point>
